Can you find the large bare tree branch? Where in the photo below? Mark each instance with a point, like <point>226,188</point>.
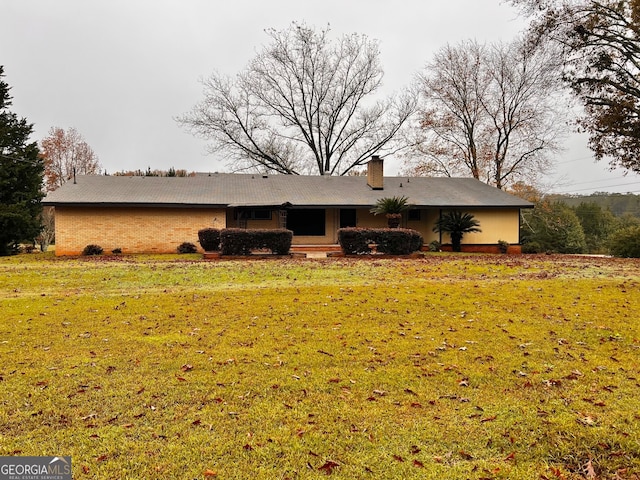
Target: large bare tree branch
<point>303,104</point>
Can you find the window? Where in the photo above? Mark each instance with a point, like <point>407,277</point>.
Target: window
<point>253,214</point>
<point>414,214</point>
<point>348,217</point>
<point>309,222</point>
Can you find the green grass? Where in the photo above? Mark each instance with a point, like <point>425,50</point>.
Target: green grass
<point>467,366</point>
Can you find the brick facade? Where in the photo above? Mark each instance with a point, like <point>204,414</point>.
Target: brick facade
<point>134,230</point>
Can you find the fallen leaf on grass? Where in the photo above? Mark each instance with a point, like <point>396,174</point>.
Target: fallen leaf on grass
<point>587,420</point>
<point>465,455</point>
<point>398,458</point>
<point>558,473</point>
<point>186,367</point>
<point>328,467</point>
<point>210,473</point>
<point>418,463</point>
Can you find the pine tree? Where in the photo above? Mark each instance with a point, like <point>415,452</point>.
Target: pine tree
<point>21,177</point>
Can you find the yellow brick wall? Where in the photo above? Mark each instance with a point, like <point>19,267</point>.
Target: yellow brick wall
<point>134,230</point>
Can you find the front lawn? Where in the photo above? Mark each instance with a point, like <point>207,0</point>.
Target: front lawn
<point>447,367</point>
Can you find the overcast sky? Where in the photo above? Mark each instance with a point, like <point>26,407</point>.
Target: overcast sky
<point>120,71</point>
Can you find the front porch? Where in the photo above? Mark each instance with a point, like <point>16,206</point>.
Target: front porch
<point>315,248</point>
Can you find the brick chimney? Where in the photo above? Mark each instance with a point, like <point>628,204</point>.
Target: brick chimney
<point>375,173</point>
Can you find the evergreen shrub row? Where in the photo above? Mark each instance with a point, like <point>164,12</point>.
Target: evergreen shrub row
<point>391,241</point>
<point>240,241</point>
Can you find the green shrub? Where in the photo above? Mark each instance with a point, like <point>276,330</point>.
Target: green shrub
<point>391,241</point>
<point>552,227</point>
<point>187,247</point>
<point>625,242</point>
<point>503,246</point>
<point>531,247</point>
<point>435,246</point>
<point>116,251</point>
<point>209,239</point>
<point>398,241</point>
<point>354,241</point>
<point>92,250</point>
<point>240,241</point>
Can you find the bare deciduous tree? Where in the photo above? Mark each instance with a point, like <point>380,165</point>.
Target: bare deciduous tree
<point>66,153</point>
<point>493,112</point>
<point>303,104</point>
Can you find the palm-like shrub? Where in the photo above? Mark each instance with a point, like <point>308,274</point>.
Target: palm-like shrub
<point>456,224</point>
<point>392,207</point>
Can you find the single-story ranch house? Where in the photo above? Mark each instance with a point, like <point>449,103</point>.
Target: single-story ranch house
<point>156,214</point>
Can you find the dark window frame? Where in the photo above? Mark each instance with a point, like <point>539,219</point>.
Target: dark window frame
<point>311,222</point>
<point>253,214</point>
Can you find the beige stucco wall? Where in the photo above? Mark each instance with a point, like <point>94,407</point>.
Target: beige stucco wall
<point>496,224</point>
<point>425,225</point>
<point>134,230</point>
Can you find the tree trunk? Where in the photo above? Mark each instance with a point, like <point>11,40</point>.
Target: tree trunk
<point>456,242</point>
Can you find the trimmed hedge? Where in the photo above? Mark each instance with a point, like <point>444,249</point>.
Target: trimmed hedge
<point>391,241</point>
<point>209,239</point>
<point>240,241</point>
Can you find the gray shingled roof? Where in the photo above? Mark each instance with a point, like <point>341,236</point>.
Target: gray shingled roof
<point>229,189</point>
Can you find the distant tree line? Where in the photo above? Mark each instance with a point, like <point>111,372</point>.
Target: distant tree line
<point>619,203</point>
<point>172,172</point>
<point>582,225</point>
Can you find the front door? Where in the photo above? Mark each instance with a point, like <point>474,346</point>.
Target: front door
<point>347,217</point>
